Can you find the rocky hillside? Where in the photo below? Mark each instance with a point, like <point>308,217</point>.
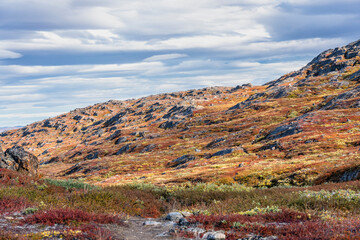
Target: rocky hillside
<point>301,128</point>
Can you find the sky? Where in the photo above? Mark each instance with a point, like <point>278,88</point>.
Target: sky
<point>59,55</point>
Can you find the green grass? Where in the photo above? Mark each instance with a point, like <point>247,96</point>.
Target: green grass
<point>70,184</point>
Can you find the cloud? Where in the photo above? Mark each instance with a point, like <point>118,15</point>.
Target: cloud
<point>5,54</point>
<point>163,57</point>
<point>61,54</point>
<point>313,19</point>
<point>55,14</point>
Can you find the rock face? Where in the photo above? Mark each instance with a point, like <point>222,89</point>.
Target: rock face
<point>181,160</point>
<point>348,99</point>
<point>174,216</point>
<point>214,236</point>
<point>283,131</point>
<point>16,158</point>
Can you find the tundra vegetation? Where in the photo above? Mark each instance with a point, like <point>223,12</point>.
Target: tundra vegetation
<point>274,160</point>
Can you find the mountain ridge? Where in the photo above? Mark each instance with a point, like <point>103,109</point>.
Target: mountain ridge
<point>301,128</point>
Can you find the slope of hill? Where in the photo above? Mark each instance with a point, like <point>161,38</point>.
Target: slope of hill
<point>302,128</point>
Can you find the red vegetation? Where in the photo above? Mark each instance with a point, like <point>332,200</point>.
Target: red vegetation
<point>10,177</point>
<point>226,221</point>
<point>287,224</point>
<point>12,204</point>
<point>68,216</point>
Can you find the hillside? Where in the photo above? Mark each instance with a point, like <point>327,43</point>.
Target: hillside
<point>302,128</point>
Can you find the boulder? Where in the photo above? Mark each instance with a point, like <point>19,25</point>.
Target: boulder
<point>179,111</point>
<point>149,148</point>
<point>215,143</point>
<point>116,134</point>
<point>174,216</point>
<point>121,140</point>
<point>151,223</point>
<point>181,160</point>
<point>222,152</point>
<point>168,125</point>
<point>16,158</point>
<point>124,149</point>
<point>284,131</point>
<point>214,236</point>
<point>92,156</point>
<point>117,119</point>
<point>183,222</point>
<point>348,99</point>
<point>258,237</point>
<point>272,146</point>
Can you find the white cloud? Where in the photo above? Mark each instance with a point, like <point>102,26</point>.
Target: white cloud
<point>61,54</point>
<point>5,54</point>
<point>143,67</point>
<point>163,57</point>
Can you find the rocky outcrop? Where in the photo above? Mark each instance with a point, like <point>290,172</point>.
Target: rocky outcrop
<point>347,99</point>
<point>222,152</point>
<point>179,111</point>
<point>168,125</point>
<point>17,159</point>
<point>284,131</point>
<point>181,161</point>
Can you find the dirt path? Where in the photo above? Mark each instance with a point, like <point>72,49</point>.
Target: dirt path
<point>137,230</point>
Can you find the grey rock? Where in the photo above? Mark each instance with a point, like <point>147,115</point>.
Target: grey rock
<point>116,134</point>
<point>168,124</point>
<point>124,149</point>
<point>16,158</point>
<point>258,237</point>
<point>196,231</point>
<point>238,87</point>
<point>97,123</point>
<point>117,119</point>
<point>222,152</point>
<point>75,168</point>
<point>272,146</point>
<point>121,140</point>
<point>340,101</point>
<point>350,175</point>
<point>214,236</point>
<point>354,76</point>
<point>151,223</point>
<point>174,216</point>
<point>181,160</point>
<point>163,235</point>
<point>149,148</point>
<point>183,222</point>
<point>169,224</point>
<point>92,156</point>
<point>283,131</point>
<point>215,143</point>
<point>179,111</point>
<point>77,117</point>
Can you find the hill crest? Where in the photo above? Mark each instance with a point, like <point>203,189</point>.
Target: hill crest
<point>301,128</point>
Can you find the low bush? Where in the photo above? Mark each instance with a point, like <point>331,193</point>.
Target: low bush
<point>70,184</point>
<point>70,217</point>
<point>288,224</point>
<point>14,178</point>
<point>12,204</point>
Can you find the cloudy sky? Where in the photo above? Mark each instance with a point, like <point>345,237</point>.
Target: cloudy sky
<point>62,54</point>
